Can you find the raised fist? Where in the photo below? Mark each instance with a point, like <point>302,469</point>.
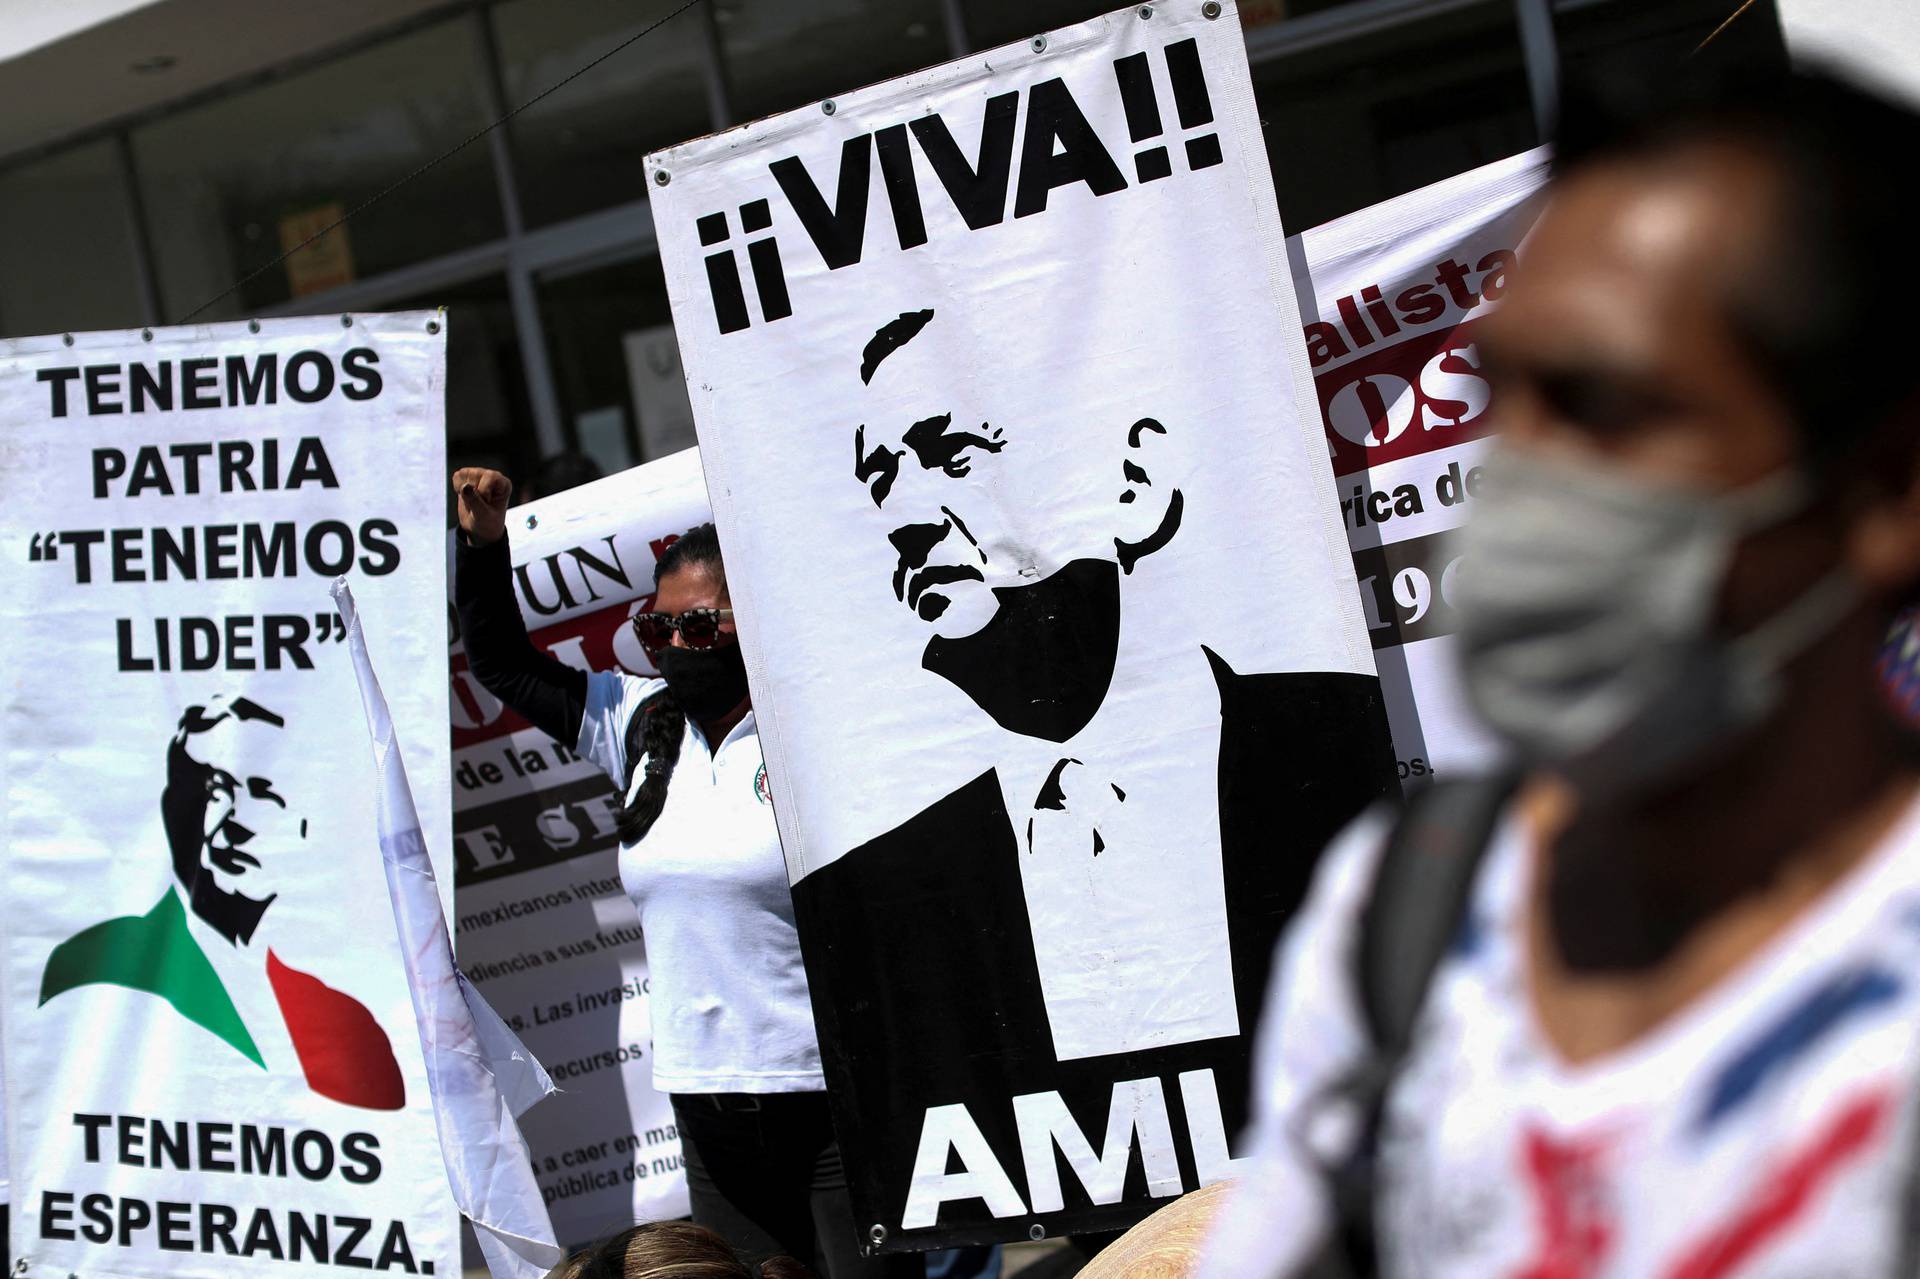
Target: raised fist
<point>483,497</point>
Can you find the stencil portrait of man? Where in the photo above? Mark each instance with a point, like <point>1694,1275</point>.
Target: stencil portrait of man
<point>1035,652</point>
<point>1033,639</point>
<point>1077,909</point>
<point>235,841</point>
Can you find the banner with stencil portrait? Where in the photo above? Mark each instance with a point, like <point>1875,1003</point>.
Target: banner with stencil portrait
<point>212,1060</point>
<point>1055,650</point>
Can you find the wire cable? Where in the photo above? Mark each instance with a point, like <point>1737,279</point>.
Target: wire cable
<point>1731,19</point>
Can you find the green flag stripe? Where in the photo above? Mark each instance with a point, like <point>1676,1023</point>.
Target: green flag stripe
<point>155,953</point>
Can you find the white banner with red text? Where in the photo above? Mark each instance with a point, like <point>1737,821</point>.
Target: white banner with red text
<point>545,929</point>
<point>1397,290</point>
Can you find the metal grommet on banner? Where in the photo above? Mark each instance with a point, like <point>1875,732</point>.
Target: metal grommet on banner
<point>433,326</point>
<point>146,335</point>
<point>1210,10</point>
<point>67,338</point>
<point>1146,11</point>
<point>1039,44</point>
<point>661,177</point>
<point>253,326</point>
<point>877,1233</point>
<point>1036,1232</point>
<point>346,321</point>
<point>827,107</point>
<point>533,521</point>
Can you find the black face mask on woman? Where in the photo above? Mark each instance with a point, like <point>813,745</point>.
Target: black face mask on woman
<point>706,682</point>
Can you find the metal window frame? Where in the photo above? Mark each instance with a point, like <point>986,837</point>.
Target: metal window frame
<point>1540,54</point>
<point>626,232</point>
<point>528,328</point>
<point>146,278</point>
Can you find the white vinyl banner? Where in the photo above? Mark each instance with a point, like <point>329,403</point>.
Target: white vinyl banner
<point>6,1194</point>
<point>1059,667</point>
<point>212,1062</point>
<point>1874,41</point>
<point>1397,290</point>
<point>545,930</point>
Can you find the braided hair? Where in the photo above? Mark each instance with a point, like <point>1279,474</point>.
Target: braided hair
<point>658,724</point>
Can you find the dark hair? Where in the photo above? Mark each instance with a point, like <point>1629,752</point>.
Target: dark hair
<point>658,723</point>
<point>671,1250</point>
<point>557,473</point>
<point>783,1268</point>
<point>1825,317</point>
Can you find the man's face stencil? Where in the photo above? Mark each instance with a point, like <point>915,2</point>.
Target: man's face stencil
<point>919,463</point>
<point>914,464</point>
<point>233,829</point>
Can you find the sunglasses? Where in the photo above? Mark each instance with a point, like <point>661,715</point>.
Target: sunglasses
<point>699,627</point>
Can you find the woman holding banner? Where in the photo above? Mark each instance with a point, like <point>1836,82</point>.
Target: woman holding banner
<point>733,1034</point>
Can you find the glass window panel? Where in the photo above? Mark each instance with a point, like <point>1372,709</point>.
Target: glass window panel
<point>580,149</point>
<point>1639,44</point>
<point>994,22</point>
<point>783,55</point>
<point>66,252</point>
<point>229,183</point>
<point>997,22</point>
<point>489,415</point>
<point>1256,12</point>
<point>1390,110</point>
<point>615,366</point>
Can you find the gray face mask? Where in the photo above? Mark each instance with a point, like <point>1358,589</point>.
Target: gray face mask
<point>1586,602</point>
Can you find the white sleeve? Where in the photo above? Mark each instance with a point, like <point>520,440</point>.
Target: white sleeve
<point>1276,1216</point>
<point>612,698</point>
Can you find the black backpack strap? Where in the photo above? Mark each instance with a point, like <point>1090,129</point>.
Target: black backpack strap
<point>1418,901</point>
<point>1413,913</point>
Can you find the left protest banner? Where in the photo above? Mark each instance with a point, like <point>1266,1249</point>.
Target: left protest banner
<point>6,1196</point>
<point>212,1061</point>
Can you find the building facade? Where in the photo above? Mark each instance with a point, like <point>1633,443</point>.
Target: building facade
<point>161,157</point>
